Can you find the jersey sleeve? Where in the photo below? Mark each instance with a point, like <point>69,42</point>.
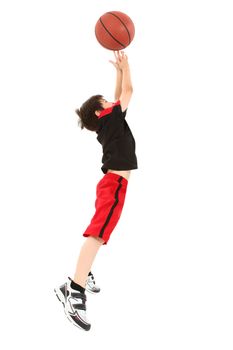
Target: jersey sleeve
<point>118,111</point>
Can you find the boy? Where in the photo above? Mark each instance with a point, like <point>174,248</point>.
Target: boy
<point>107,119</point>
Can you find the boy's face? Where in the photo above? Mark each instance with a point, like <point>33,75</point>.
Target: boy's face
<point>105,104</point>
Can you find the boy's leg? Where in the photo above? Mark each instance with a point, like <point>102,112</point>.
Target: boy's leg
<point>86,258</point>
<point>72,293</point>
<point>109,203</point>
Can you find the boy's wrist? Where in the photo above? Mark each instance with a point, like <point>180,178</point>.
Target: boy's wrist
<point>125,68</point>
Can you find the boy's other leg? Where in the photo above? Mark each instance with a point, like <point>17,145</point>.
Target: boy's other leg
<point>86,258</point>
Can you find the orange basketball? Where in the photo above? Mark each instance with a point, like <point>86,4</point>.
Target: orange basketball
<point>114,30</point>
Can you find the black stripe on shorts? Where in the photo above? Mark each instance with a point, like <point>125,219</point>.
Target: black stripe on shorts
<point>112,208</point>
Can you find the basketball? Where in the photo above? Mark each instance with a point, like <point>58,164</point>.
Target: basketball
<point>114,30</point>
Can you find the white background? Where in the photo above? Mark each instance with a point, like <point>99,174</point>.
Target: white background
<point>166,274</point>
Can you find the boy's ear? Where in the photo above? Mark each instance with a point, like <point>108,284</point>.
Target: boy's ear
<point>97,113</point>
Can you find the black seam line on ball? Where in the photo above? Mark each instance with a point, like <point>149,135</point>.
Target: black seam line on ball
<point>113,14</point>
<point>111,34</point>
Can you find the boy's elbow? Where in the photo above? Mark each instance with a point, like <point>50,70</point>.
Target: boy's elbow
<point>128,90</point>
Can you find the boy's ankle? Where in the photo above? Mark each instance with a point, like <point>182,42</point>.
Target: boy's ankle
<point>76,286</point>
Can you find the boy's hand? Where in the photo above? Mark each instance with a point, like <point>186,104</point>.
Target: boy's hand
<point>121,60</point>
<point>116,65</point>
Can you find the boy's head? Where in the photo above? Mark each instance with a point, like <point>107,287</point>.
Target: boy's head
<point>89,111</point>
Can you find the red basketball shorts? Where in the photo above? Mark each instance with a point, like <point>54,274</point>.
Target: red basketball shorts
<point>110,198</point>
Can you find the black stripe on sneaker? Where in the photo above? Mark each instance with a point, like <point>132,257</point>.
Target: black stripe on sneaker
<point>112,208</point>
<point>79,307</point>
<point>79,296</point>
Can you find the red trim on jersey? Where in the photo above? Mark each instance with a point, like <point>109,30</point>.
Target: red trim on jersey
<point>108,110</point>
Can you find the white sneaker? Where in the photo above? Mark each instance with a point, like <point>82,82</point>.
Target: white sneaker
<point>91,287</point>
<point>74,303</point>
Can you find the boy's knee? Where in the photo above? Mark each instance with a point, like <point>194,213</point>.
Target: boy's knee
<point>98,239</point>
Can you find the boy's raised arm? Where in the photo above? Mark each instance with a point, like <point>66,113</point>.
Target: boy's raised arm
<point>127,87</point>
<point>124,87</point>
<point>118,86</point>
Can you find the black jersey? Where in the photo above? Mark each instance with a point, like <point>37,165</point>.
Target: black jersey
<point>116,139</point>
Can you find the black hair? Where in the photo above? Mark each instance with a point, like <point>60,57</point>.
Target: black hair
<point>87,117</point>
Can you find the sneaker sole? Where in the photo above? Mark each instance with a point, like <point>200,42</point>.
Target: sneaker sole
<point>60,297</point>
